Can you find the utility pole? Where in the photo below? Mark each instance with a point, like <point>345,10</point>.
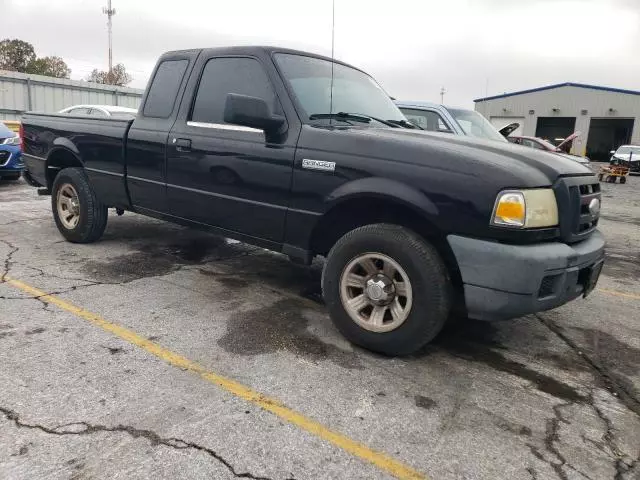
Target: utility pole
<point>442,92</point>
<point>110,12</point>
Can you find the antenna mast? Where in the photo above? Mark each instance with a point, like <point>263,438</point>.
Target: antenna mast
<point>333,36</point>
<point>442,92</point>
<point>110,12</point>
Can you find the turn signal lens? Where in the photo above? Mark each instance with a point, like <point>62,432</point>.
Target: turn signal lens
<point>510,210</point>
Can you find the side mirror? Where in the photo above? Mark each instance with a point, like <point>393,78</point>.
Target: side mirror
<point>612,152</point>
<point>251,112</point>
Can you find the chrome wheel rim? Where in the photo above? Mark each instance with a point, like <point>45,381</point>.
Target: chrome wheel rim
<point>68,206</point>
<point>376,292</point>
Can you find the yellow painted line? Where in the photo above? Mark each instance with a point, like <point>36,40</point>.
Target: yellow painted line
<point>379,459</point>
<point>619,294</point>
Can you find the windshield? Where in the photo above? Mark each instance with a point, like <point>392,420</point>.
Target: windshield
<point>628,150</point>
<point>353,91</point>
<point>475,125</point>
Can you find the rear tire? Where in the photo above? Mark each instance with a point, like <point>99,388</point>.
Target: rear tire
<point>79,215</point>
<point>417,271</point>
<point>623,179</point>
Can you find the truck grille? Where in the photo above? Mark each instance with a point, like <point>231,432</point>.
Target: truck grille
<point>575,195</point>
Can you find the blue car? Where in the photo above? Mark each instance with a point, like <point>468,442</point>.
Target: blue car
<point>11,165</point>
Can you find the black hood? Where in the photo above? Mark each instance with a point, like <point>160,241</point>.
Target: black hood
<point>460,153</point>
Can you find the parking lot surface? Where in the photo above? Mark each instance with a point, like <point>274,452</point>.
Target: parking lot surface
<point>162,352</point>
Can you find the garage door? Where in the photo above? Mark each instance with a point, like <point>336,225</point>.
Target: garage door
<point>500,122</point>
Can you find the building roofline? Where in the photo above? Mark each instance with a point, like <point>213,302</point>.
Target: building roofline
<point>558,85</point>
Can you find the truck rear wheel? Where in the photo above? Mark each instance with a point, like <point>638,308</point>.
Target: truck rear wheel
<point>79,215</point>
<point>386,289</point>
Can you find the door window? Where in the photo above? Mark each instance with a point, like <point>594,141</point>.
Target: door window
<point>222,76</point>
<point>427,119</point>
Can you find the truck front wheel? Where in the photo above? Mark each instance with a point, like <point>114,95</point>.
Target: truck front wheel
<point>79,215</point>
<point>386,289</point>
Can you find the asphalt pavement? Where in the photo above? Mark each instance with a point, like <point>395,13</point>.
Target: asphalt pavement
<point>163,352</point>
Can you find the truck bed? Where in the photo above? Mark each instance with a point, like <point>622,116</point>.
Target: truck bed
<point>99,142</point>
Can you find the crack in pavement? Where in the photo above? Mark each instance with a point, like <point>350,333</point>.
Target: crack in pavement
<point>621,461</point>
<point>8,260</point>
<point>620,391</point>
<point>25,220</point>
<point>621,464</point>
<point>552,437</point>
<point>85,428</point>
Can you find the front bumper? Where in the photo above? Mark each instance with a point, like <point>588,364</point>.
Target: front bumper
<point>507,281</point>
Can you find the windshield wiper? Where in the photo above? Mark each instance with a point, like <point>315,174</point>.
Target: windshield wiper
<point>356,117</point>
<point>405,124</point>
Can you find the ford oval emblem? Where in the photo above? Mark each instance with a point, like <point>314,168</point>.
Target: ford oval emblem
<point>594,207</point>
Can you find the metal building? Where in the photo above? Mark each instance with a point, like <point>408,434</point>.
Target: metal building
<point>20,92</point>
<point>606,117</point>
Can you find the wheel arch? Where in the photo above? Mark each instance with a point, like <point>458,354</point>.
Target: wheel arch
<point>384,201</point>
<point>60,157</point>
<point>371,200</point>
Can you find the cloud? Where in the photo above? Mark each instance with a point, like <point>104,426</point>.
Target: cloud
<point>413,47</point>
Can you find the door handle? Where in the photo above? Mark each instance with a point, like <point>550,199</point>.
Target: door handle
<point>182,144</point>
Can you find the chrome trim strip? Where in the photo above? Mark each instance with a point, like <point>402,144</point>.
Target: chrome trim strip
<point>224,126</point>
<point>96,170</point>
<point>227,197</point>
<point>131,177</point>
<point>42,159</point>
<point>305,212</point>
<point>8,160</point>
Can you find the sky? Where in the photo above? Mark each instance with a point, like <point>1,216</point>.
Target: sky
<point>412,47</point>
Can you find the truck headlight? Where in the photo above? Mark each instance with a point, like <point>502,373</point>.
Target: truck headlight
<point>533,208</point>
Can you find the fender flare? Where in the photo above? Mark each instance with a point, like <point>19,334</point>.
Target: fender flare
<point>384,188</point>
<point>62,142</point>
<point>60,145</point>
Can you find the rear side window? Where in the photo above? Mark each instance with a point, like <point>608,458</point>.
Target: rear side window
<point>222,76</point>
<point>164,88</point>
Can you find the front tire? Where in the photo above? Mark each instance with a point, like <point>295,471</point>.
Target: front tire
<point>386,289</point>
<point>79,215</point>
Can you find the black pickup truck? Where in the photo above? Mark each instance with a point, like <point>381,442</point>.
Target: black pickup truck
<point>307,156</point>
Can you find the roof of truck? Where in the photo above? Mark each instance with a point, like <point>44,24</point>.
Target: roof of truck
<point>259,49</point>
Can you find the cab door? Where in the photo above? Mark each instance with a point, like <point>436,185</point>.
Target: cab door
<point>224,175</point>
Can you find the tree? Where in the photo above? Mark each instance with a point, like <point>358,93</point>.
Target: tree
<point>16,55</point>
<point>49,66</point>
<point>118,76</point>
<point>19,56</point>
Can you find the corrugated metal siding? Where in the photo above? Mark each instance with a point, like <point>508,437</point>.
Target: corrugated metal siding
<point>20,92</point>
<point>569,101</point>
